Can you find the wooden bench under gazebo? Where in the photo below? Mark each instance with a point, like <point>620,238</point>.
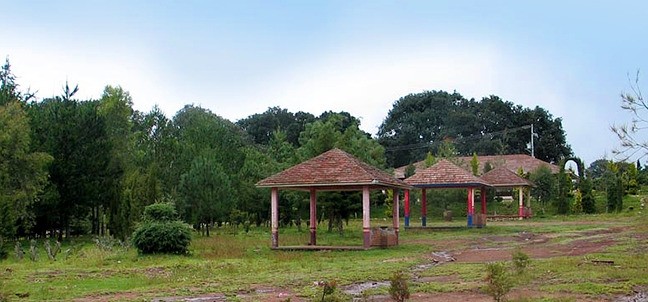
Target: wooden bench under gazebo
<point>334,170</point>
<point>446,175</point>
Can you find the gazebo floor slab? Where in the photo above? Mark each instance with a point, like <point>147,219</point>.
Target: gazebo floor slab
<point>320,248</point>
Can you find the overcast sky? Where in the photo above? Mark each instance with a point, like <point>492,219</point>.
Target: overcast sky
<point>238,58</point>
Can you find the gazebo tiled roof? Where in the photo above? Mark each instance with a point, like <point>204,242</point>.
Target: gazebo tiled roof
<point>511,161</point>
<point>503,177</point>
<point>445,174</point>
<point>332,170</point>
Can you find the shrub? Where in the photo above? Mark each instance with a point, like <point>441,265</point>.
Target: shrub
<point>161,232</point>
<point>520,260</point>
<point>398,289</point>
<point>171,237</point>
<point>498,282</point>
<point>160,212</point>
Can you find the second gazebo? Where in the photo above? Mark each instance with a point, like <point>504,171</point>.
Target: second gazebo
<point>446,175</point>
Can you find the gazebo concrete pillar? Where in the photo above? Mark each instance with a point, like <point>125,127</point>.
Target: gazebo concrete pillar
<point>366,216</point>
<point>483,201</point>
<point>407,208</point>
<point>521,203</point>
<point>274,216</point>
<point>423,207</point>
<point>471,206</point>
<point>313,217</point>
<point>395,213</point>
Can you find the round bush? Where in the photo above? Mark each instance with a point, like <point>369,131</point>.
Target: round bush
<point>160,212</point>
<point>171,237</point>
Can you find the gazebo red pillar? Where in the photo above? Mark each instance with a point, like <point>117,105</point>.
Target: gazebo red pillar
<point>366,216</point>
<point>274,216</point>
<point>407,208</point>
<point>395,213</point>
<point>313,217</point>
<point>471,206</point>
<point>483,200</point>
<point>423,207</point>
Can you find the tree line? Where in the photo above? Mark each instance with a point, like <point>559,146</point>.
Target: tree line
<point>71,166</point>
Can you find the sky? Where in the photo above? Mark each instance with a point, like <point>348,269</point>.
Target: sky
<point>237,58</point>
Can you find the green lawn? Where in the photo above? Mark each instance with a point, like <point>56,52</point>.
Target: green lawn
<point>231,262</point>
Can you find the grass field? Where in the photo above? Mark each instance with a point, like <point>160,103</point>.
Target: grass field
<point>573,258</point>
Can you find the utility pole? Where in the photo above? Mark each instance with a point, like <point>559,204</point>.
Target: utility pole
<point>533,134</point>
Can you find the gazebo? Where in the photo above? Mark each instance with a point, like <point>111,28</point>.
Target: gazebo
<point>503,178</point>
<point>334,170</point>
<point>446,175</point>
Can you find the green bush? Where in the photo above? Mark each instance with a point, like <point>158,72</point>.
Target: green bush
<point>160,212</point>
<point>398,289</point>
<point>520,260</point>
<point>162,237</point>
<point>161,232</point>
<point>498,281</point>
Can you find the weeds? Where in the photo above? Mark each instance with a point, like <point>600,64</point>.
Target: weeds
<point>18,250</point>
<point>33,250</point>
<point>398,289</point>
<point>52,252</point>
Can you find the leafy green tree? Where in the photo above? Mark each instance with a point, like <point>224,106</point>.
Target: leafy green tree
<point>474,164</point>
<point>614,190</point>
<point>115,107</point>
<point>545,185</point>
<point>206,192</point>
<point>23,174</point>
<point>421,122</point>
<point>430,160</point>
<point>253,201</point>
<point>261,126</point>
<point>74,133</point>
<point>588,203</point>
<point>321,136</point>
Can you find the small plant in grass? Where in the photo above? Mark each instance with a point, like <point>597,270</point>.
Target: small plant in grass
<point>33,250</point>
<point>398,289</point>
<point>161,231</point>
<point>18,250</point>
<point>330,292</point>
<point>52,252</point>
<point>498,281</point>
<point>520,260</point>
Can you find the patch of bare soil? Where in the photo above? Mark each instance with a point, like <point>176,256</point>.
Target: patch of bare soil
<point>536,246</point>
<point>516,294</point>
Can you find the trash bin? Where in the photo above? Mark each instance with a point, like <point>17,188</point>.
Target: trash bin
<point>383,236</point>
<point>480,220</point>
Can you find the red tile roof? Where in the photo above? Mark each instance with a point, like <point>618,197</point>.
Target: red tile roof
<point>503,177</point>
<point>445,174</point>
<point>332,170</point>
<point>512,161</point>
